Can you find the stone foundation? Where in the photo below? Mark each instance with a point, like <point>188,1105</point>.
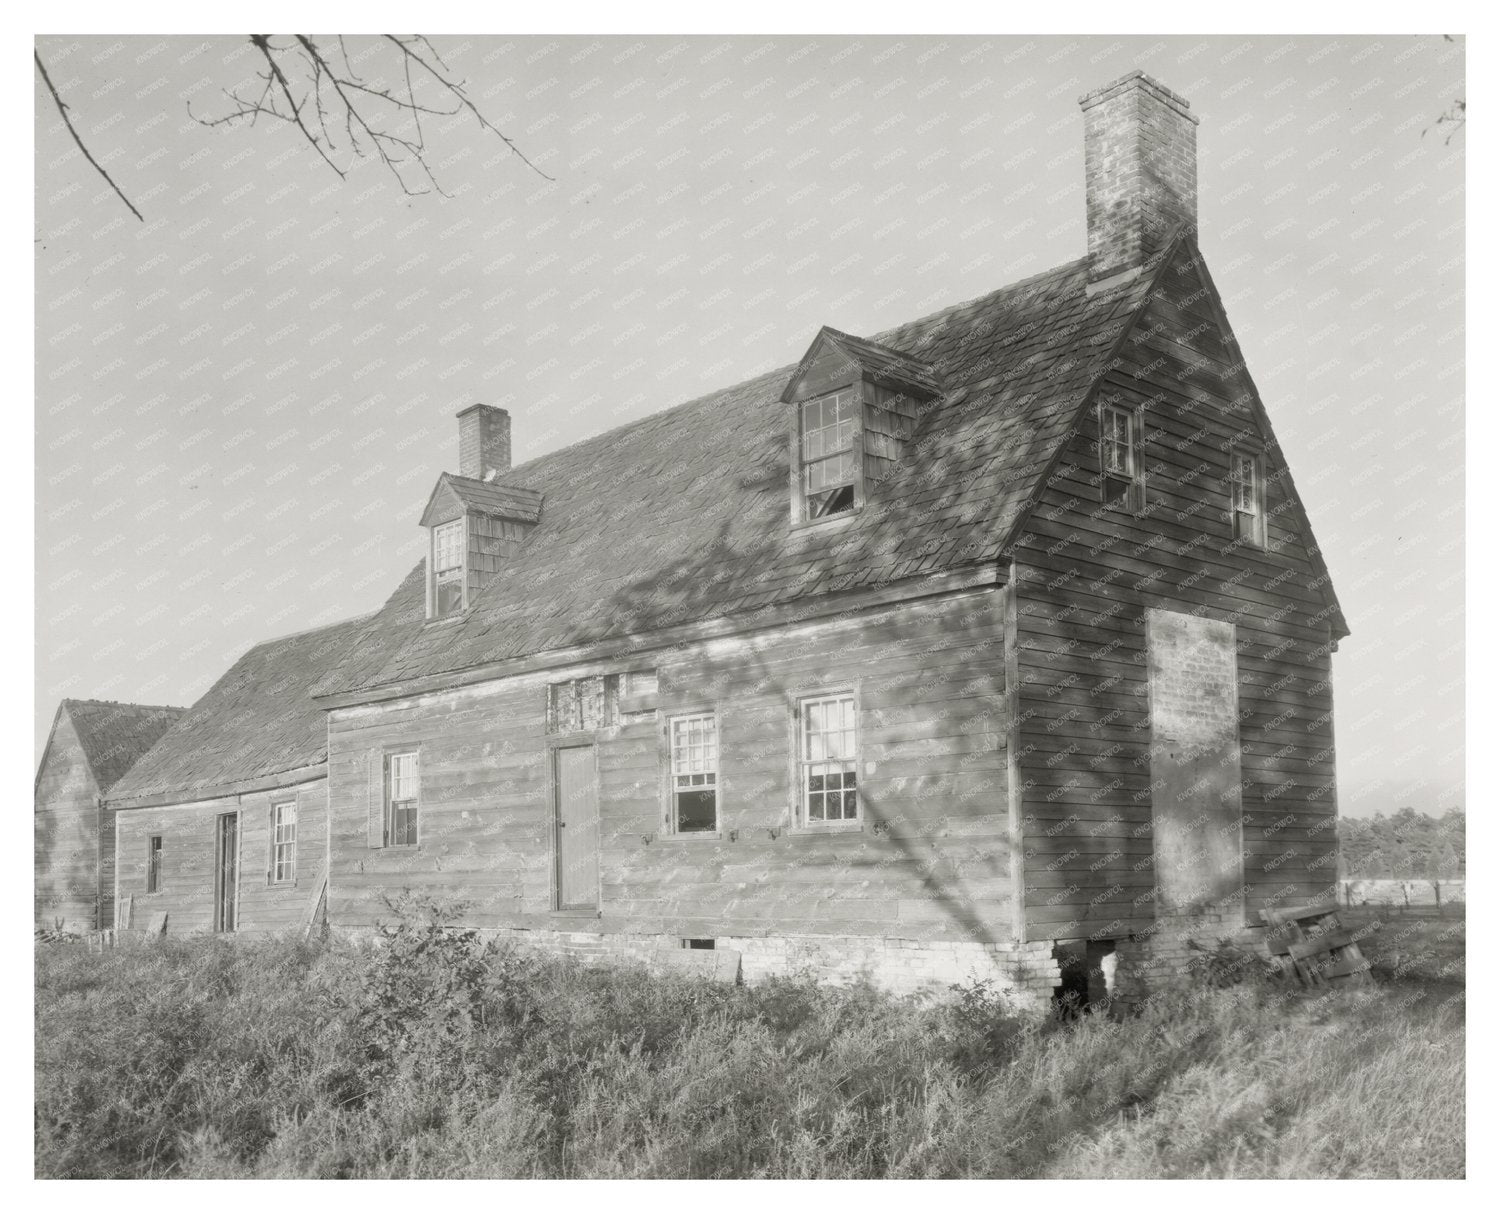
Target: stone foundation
<point>1027,974</point>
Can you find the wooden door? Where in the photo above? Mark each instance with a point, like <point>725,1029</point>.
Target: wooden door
<point>577,818</point>
<point>226,873</point>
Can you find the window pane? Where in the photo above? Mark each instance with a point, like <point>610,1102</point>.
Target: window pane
<point>403,782</point>
<point>448,593</point>
<point>448,546</point>
<point>829,425</point>
<point>829,742</point>
<point>697,811</point>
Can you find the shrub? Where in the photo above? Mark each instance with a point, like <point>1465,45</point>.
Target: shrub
<point>436,1054</point>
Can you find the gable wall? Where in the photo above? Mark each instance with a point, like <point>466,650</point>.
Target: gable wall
<point>65,835</point>
<point>1086,576</point>
<point>931,686</point>
<point>188,835</point>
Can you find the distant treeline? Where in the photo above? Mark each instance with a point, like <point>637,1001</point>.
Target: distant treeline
<point>1406,844</point>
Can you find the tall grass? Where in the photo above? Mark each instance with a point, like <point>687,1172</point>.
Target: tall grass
<point>436,1055</point>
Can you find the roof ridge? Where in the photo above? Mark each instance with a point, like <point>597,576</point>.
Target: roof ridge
<point>303,632</point>
<point>787,369</point>
<point>122,704</point>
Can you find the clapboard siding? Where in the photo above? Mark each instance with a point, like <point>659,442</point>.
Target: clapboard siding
<point>1086,575</point>
<point>932,859</point>
<point>66,834</point>
<point>187,886</point>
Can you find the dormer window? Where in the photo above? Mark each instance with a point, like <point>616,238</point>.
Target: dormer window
<point>829,427</point>
<point>853,407</point>
<point>448,568</point>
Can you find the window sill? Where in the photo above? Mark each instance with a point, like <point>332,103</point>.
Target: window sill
<point>398,847</point>
<point>843,518</point>
<point>692,836</point>
<point>813,830</point>
<point>453,617</point>
<point>579,912</point>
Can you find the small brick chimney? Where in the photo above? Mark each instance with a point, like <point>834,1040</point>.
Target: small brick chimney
<point>483,442</point>
<point>1140,171</point>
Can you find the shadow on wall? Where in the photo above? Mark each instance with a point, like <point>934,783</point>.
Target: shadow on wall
<point>891,840</point>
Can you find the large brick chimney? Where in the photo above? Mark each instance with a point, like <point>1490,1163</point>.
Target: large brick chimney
<point>1140,171</point>
<point>483,442</point>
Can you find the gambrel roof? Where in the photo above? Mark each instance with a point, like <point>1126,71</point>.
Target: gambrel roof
<point>112,735</point>
<point>256,726</point>
<point>683,517</point>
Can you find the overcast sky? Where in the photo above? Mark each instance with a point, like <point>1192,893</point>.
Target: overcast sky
<point>242,402</point>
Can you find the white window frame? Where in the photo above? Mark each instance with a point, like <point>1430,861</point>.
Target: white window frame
<point>693,774</point>
<point>413,802</point>
<point>806,763</point>
<point>156,847</point>
<point>435,574</point>
<point>283,837</point>
<point>1133,499</point>
<point>1253,532</point>
<point>850,452</point>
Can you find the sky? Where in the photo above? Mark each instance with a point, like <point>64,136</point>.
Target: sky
<point>243,401</point>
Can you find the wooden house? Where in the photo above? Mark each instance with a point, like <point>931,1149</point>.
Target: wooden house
<point>1000,631</point>
<point>92,744</point>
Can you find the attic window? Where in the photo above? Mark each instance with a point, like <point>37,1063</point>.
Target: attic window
<point>448,568</point>
<point>1247,497</point>
<point>829,426</point>
<point>1120,463</point>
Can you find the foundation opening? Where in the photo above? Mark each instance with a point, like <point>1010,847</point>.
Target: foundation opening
<point>697,943</point>
<point>1088,973</point>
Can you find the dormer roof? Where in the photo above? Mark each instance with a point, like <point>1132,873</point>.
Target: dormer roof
<point>898,369</point>
<point>454,495</point>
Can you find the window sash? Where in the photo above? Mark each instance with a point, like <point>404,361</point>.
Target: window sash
<point>153,864</point>
<point>1247,501</point>
<point>828,759</point>
<point>448,546</point>
<point>284,842</point>
<point>1117,443</point>
<point>830,426</point>
<point>402,798</point>
<point>693,743</point>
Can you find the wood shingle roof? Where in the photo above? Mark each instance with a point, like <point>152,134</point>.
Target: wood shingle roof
<point>115,735</point>
<point>256,723</point>
<point>683,516</point>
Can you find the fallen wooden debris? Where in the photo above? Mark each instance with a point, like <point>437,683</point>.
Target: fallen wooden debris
<point>1319,947</point>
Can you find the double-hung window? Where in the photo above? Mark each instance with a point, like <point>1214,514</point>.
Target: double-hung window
<point>448,568</point>
<point>153,864</point>
<point>1247,496</point>
<point>284,842</point>
<point>828,758</point>
<point>694,743</point>
<point>1120,456</point>
<point>402,797</point>
<point>830,425</point>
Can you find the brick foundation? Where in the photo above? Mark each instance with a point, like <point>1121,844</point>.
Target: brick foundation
<point>1158,960</point>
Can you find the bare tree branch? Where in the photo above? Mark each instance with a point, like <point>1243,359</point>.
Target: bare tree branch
<point>62,109</point>
<point>1455,116</point>
<point>457,89</point>
<point>373,116</point>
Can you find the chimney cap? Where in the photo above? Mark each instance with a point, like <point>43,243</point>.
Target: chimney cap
<point>1139,79</point>
<point>492,408</point>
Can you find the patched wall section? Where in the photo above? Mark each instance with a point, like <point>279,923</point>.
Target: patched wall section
<point>1195,764</point>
